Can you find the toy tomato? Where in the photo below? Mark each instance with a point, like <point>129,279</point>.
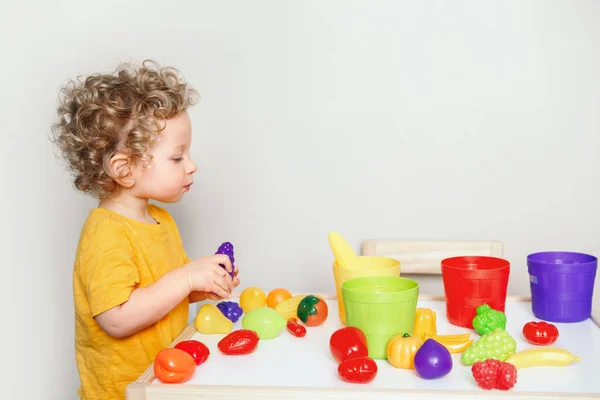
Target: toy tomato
<point>173,365</point>
<point>401,350</point>
<point>358,370</point>
<point>196,349</point>
<point>312,310</point>
<point>540,333</point>
<point>239,342</point>
<point>347,343</point>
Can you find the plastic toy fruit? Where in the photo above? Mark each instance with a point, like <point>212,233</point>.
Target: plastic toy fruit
<point>454,343</point>
<point>196,349</point>
<point>276,296</point>
<point>231,310</point>
<point>347,343</point>
<point>358,370</point>
<point>541,357</point>
<point>312,310</point>
<point>227,249</point>
<point>173,365</point>
<point>251,298</point>
<point>497,344</point>
<point>211,320</point>
<point>425,323</point>
<point>540,333</point>
<point>295,328</point>
<point>289,308</point>
<point>488,319</point>
<point>265,321</point>
<point>432,360</point>
<point>493,374</point>
<point>239,342</point>
<point>401,350</point>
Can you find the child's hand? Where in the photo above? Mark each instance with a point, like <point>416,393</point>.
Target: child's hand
<point>236,282</point>
<point>206,275</point>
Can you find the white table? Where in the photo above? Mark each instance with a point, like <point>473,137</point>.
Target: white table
<point>288,367</point>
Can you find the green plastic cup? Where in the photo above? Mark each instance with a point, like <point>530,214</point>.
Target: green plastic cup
<point>382,307</point>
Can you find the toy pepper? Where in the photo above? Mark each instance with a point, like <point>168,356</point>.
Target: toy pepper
<point>425,323</point>
<point>488,319</point>
<point>540,333</point>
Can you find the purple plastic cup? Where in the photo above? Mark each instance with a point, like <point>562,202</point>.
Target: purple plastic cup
<point>562,285</point>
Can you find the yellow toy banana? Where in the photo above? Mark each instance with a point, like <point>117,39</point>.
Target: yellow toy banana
<point>454,343</point>
<point>541,357</point>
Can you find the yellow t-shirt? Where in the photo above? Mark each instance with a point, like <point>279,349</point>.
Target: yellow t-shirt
<point>116,255</point>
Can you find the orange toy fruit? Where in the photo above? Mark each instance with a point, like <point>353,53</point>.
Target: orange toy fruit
<point>251,298</point>
<point>276,296</point>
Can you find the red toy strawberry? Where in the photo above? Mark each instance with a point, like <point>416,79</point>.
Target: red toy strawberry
<point>494,374</point>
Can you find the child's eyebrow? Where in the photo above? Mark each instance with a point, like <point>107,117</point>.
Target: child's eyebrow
<point>180,147</point>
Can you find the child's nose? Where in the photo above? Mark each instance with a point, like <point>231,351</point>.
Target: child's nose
<point>192,167</point>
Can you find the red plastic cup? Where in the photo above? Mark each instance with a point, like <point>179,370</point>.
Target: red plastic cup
<point>470,281</point>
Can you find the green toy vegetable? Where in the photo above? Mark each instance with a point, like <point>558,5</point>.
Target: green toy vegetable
<point>488,319</point>
<point>497,344</point>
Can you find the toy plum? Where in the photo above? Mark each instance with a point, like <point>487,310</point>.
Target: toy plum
<point>432,360</point>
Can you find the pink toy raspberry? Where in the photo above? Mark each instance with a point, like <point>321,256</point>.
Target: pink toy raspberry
<point>486,373</point>
<point>493,374</point>
<point>507,376</point>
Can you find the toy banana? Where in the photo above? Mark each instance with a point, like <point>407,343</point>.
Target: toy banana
<point>541,357</point>
<point>454,343</point>
<point>289,308</point>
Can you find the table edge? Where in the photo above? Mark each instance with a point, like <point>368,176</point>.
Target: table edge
<point>137,390</point>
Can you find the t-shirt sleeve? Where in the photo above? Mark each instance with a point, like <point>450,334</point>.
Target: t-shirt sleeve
<point>108,268</point>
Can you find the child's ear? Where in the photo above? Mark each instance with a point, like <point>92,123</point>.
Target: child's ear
<point>121,169</point>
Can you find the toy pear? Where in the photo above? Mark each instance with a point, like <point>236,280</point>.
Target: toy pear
<point>210,320</point>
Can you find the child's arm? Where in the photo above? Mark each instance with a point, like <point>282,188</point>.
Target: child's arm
<point>148,304</point>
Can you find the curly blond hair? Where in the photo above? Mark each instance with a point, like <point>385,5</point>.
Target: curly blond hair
<point>125,111</point>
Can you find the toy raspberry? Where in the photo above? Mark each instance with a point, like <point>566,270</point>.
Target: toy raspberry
<point>486,373</point>
<point>493,374</point>
<point>507,376</point>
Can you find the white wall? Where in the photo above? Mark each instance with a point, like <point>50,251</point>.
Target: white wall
<point>379,119</point>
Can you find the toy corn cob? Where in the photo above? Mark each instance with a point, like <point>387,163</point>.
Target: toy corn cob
<point>345,256</point>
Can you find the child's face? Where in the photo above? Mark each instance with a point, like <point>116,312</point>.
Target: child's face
<point>169,174</point>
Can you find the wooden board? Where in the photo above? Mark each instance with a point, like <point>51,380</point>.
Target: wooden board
<point>292,368</point>
<point>425,256</point>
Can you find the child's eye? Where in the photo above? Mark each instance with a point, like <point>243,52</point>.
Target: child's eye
<point>178,159</point>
